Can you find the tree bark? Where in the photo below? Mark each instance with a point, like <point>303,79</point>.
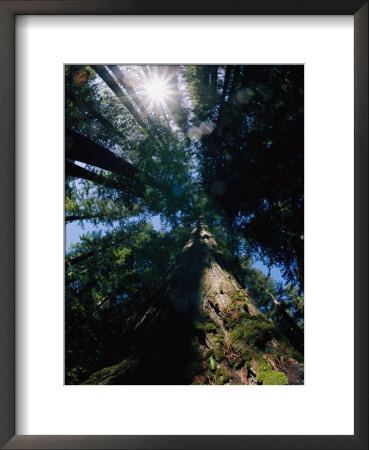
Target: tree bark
<point>213,79</point>
<point>128,87</point>
<point>235,80</point>
<point>109,80</point>
<point>201,327</point>
<point>80,258</point>
<point>222,100</point>
<point>83,149</point>
<point>75,217</point>
<point>73,170</point>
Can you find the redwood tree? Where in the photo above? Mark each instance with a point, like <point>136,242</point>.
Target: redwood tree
<point>201,327</point>
<point>219,157</point>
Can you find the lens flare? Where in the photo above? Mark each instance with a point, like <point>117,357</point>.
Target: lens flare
<point>157,90</point>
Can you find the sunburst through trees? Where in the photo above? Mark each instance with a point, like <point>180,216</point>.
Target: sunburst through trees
<point>215,154</point>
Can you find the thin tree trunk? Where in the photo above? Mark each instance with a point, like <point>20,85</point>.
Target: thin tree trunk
<point>222,100</point>
<point>293,332</point>
<point>109,80</point>
<point>213,80</point>
<point>235,80</point>
<point>75,217</point>
<point>73,170</point>
<point>174,103</point>
<point>201,327</point>
<point>128,87</point>
<point>147,72</point>
<point>83,149</point>
<point>80,258</point>
<point>93,113</point>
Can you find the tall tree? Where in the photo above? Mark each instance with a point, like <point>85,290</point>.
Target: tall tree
<point>200,326</point>
<point>217,152</point>
<point>252,163</point>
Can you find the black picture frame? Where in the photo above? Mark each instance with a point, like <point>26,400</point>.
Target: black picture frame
<point>8,11</point>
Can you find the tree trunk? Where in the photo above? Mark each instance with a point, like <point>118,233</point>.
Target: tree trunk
<point>76,217</point>
<point>83,149</point>
<point>109,80</point>
<point>73,170</point>
<point>227,77</point>
<point>202,327</point>
<point>82,257</point>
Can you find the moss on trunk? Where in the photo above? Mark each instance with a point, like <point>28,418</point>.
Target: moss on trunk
<point>202,327</point>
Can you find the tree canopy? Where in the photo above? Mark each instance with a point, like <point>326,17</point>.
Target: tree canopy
<point>224,143</point>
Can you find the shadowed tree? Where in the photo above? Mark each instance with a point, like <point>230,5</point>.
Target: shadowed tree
<point>217,151</point>
<point>200,326</point>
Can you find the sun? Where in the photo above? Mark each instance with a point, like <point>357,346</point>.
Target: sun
<point>157,90</point>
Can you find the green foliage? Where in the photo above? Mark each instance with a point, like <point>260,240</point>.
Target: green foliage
<point>235,158</point>
<point>102,376</point>
<point>107,278</point>
<point>258,140</point>
<point>236,333</point>
<point>208,327</point>
<point>244,350</point>
<point>218,352</point>
<point>236,296</point>
<point>250,329</point>
<point>267,376</point>
<point>221,376</point>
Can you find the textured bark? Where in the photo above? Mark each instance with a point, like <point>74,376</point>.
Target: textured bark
<point>109,80</point>
<point>73,170</point>
<point>83,149</point>
<point>128,87</point>
<point>188,331</point>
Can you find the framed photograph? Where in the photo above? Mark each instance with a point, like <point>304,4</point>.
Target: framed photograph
<point>174,182</point>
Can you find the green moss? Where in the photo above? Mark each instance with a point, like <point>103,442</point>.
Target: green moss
<point>230,322</point>
<point>257,332</point>
<point>298,357</point>
<point>219,338</point>
<point>243,349</point>
<point>251,334</point>
<point>267,376</point>
<point>245,315</point>
<point>221,376</point>
<point>236,296</point>
<point>247,357</point>
<point>103,376</point>
<point>262,325</point>
<point>209,327</point>
<point>236,333</point>
<point>271,351</point>
<point>218,352</point>
<point>237,363</point>
<point>272,378</point>
<point>199,326</point>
